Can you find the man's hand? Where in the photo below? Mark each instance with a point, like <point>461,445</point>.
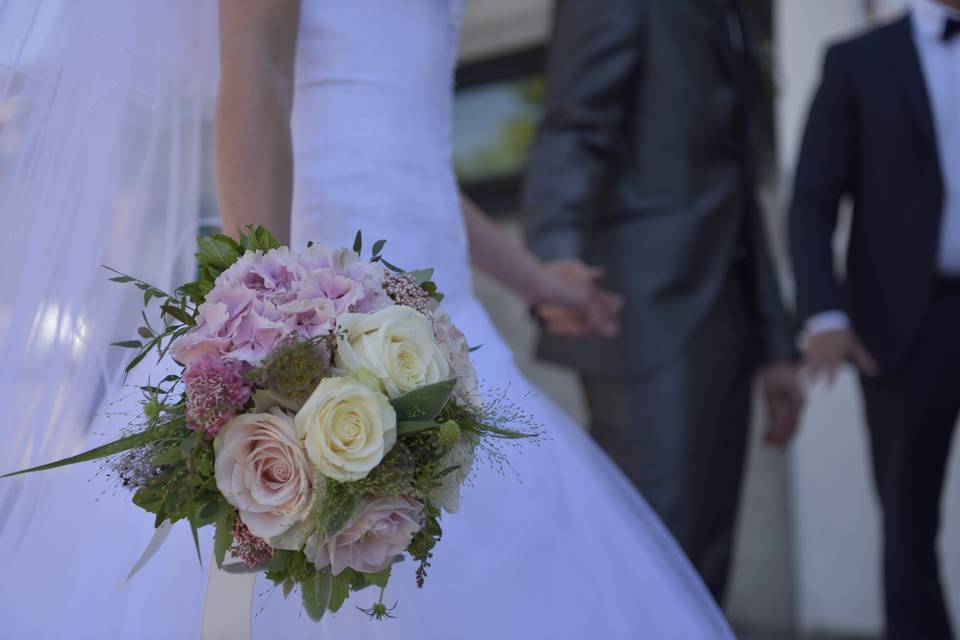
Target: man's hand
<point>574,304</point>
<point>826,351</point>
<point>783,396</point>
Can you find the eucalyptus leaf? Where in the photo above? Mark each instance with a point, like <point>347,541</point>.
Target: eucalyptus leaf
<point>112,448</point>
<point>424,404</point>
<point>315,590</point>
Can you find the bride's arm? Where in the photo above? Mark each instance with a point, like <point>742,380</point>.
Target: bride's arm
<point>254,158</point>
<point>568,284</point>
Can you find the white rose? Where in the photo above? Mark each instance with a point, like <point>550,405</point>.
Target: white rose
<point>346,428</point>
<point>396,344</point>
<point>261,469</point>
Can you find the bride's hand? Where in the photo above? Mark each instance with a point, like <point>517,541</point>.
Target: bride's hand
<point>571,303</point>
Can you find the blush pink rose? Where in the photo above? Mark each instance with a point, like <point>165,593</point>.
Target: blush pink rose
<point>380,531</point>
<point>262,470</point>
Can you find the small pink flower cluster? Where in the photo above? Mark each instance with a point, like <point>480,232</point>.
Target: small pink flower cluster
<point>265,297</point>
<point>248,548</point>
<point>216,390</point>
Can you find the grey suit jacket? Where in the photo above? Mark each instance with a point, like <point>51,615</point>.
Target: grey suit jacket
<point>642,165</point>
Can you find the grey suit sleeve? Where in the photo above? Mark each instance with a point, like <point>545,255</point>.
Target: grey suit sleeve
<point>592,65</point>
<point>775,327</point>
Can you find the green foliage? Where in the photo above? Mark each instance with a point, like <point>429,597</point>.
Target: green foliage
<point>392,477</point>
<point>340,501</point>
<point>126,443</point>
<point>315,590</point>
<point>421,547</point>
<point>223,538</point>
<point>424,404</point>
<point>184,488</point>
<point>294,369</point>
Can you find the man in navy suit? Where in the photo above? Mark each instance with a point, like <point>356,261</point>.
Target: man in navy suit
<point>884,129</point>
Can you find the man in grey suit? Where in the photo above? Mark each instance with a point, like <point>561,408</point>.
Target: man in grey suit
<point>643,166</point>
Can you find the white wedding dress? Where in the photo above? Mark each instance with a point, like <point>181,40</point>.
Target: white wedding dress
<point>560,548</point>
<point>563,549</point>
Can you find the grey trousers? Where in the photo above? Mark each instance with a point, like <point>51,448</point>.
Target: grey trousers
<point>680,434</point>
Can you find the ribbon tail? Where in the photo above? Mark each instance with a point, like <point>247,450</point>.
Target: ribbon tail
<point>159,537</point>
<point>228,605</point>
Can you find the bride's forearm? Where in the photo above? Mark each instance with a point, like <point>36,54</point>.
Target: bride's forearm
<point>254,158</point>
<point>499,256</point>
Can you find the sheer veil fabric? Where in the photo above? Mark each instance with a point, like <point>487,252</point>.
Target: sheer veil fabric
<point>104,106</point>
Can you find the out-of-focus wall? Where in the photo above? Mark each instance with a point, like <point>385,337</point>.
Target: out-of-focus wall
<point>835,514</point>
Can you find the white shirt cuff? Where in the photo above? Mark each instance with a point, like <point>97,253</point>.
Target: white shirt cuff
<point>826,321</point>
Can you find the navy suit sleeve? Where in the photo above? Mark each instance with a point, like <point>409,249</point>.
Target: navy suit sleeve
<point>824,175</point>
<point>591,68</point>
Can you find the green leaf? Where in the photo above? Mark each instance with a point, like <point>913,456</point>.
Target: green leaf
<point>335,513</point>
<point>422,275</point>
<point>128,344</point>
<point>218,251</point>
<point>145,333</point>
<point>339,590</point>
<point>380,578</point>
<point>223,538</point>
<point>264,239</point>
<point>138,358</point>
<point>358,243</point>
<point>278,562</point>
<point>168,457</point>
<point>424,404</point>
<point>315,590</point>
<point>112,448</point>
<point>378,247</point>
<point>288,585</point>
<point>121,279</point>
<point>192,519</point>
<point>179,314</point>
<point>406,427</point>
<point>392,267</point>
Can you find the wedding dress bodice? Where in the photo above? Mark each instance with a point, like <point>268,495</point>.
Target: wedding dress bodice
<point>372,132</point>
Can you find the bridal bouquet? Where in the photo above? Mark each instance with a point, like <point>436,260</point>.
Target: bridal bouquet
<point>326,412</point>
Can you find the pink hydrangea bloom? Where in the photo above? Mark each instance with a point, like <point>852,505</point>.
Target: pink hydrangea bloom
<point>216,390</point>
<point>265,297</point>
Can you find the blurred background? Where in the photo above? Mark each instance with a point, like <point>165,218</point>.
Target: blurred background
<point>808,557</point>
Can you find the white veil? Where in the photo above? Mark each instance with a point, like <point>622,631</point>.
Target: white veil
<point>105,117</point>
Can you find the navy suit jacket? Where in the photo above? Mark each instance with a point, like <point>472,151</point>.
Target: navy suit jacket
<point>870,136</point>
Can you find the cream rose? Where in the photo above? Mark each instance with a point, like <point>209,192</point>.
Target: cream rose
<point>346,428</point>
<point>262,470</point>
<point>396,344</point>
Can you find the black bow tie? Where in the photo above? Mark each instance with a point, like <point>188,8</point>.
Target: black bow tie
<point>950,29</point>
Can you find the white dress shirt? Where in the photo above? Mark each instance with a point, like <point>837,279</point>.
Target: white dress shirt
<point>940,62</point>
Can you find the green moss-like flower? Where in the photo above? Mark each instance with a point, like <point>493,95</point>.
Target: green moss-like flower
<point>392,477</point>
<point>448,433</point>
<point>295,369</point>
